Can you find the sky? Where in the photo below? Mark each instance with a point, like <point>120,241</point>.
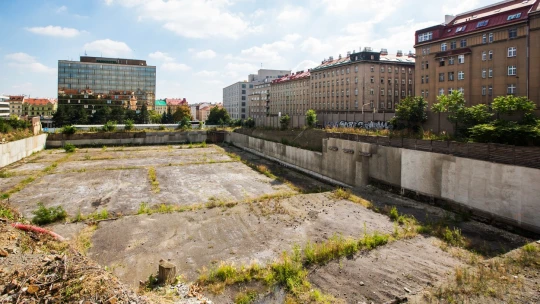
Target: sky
<point>201,46</point>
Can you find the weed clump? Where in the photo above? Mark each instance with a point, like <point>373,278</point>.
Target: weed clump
<point>70,148</point>
<point>153,179</point>
<point>44,215</point>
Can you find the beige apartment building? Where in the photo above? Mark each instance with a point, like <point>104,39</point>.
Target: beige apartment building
<point>259,98</point>
<point>290,94</point>
<point>488,52</point>
<point>362,81</point>
<point>16,105</point>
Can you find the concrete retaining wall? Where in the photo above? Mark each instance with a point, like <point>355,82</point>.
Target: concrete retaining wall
<point>504,193</point>
<point>126,138</point>
<point>17,150</point>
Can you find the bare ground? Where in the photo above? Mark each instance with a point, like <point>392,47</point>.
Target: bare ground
<point>260,223</point>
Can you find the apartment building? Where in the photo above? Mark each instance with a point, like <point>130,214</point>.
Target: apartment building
<point>160,106</point>
<point>484,53</point>
<point>259,99</point>
<point>95,82</point>
<point>16,105</point>
<point>43,107</point>
<point>4,107</point>
<point>365,80</point>
<point>175,103</point>
<point>290,94</point>
<point>235,96</point>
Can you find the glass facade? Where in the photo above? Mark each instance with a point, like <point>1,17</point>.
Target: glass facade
<point>98,84</point>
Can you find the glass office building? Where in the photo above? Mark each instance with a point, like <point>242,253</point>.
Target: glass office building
<point>94,82</point>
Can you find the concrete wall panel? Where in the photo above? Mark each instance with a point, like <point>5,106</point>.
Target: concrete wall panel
<point>17,150</point>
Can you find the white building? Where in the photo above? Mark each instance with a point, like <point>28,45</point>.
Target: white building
<point>4,106</point>
<point>235,96</point>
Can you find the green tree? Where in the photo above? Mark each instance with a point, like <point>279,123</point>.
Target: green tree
<point>250,123</point>
<point>118,114</point>
<point>410,113</point>
<point>155,117</point>
<point>218,116</point>
<point>144,116</point>
<point>130,114</point>
<point>284,121</point>
<point>60,118</point>
<point>81,116</point>
<point>311,118</point>
<point>185,123</point>
<point>454,105</point>
<point>102,115</point>
<point>181,112</point>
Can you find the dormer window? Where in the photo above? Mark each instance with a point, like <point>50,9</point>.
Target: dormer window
<point>482,23</point>
<point>514,16</point>
<point>461,29</point>
<point>425,36</point>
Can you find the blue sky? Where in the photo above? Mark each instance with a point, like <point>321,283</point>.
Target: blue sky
<point>201,46</point>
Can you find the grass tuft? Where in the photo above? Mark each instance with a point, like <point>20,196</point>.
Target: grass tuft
<point>44,215</point>
<point>153,179</point>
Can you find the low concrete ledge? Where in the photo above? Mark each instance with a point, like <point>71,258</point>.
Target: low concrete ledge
<point>17,150</point>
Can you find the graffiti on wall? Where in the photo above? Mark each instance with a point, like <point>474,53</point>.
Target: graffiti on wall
<point>370,125</point>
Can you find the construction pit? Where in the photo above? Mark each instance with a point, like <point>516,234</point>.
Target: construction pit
<point>218,212</point>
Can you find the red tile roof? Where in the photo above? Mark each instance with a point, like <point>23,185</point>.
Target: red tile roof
<point>38,101</point>
<point>176,102</point>
<point>16,98</point>
<point>293,76</point>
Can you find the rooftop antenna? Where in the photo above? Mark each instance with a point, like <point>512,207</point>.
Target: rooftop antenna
<point>85,53</point>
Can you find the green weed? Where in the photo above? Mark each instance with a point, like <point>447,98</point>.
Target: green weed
<point>69,148</point>
<point>44,215</point>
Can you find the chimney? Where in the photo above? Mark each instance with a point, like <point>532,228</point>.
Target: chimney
<point>448,18</point>
<point>348,53</point>
<point>354,51</point>
<point>339,56</point>
<point>411,55</point>
<point>384,52</point>
<point>399,53</point>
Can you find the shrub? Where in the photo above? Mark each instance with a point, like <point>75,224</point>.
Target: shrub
<point>129,125</point>
<point>69,130</point>
<point>109,126</point>
<point>161,127</point>
<point>184,124</point>
<point>250,123</point>
<point>44,215</point>
<point>311,118</point>
<point>284,122</point>
<point>70,148</point>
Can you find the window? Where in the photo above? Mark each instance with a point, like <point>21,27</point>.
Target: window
<point>461,90</point>
<point>425,36</point>
<point>483,90</point>
<point>382,92</point>
<point>484,38</point>
<point>372,69</point>
<point>490,72</point>
<point>484,56</point>
<point>511,90</point>
<point>463,42</point>
<point>490,90</point>
<point>512,70</point>
<point>382,67</point>
<point>382,80</point>
<point>451,61</point>
<point>512,33</point>
<point>427,78</point>
<point>243,91</point>
<point>441,77</point>
<point>453,45</point>
<point>441,62</point>
<point>422,79</point>
<point>482,23</point>
<point>490,55</point>
<point>490,39</point>
<point>372,79</point>
<point>450,76</point>
<point>427,65</point>
<point>441,91</point>
<point>396,93</point>
<point>390,69</point>
<point>484,73</point>
<point>512,51</point>
<point>461,59</point>
<point>371,92</point>
<point>460,75</point>
<point>461,28</point>
<point>514,16</point>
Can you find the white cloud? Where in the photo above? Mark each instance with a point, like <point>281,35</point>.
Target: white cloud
<point>268,53</point>
<point>208,54</point>
<point>26,63</point>
<point>293,14</point>
<point>61,9</point>
<point>192,19</point>
<point>108,48</point>
<point>160,56</point>
<point>305,65</point>
<point>205,73</point>
<point>175,67</point>
<point>55,31</point>
<point>315,46</point>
